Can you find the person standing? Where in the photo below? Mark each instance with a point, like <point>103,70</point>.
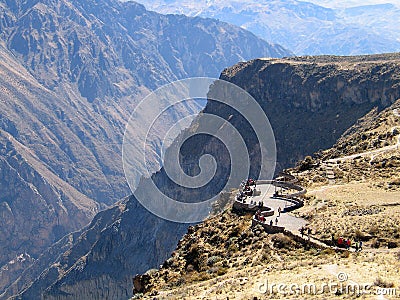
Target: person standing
<point>348,242</point>
<point>302,231</point>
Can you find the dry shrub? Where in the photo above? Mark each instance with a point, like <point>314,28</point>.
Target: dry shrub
<point>374,230</point>
<point>382,283</point>
<point>178,282</point>
<point>345,254</point>
<point>281,241</point>
<point>306,164</point>
<point>359,235</point>
<point>235,232</point>
<point>212,260</point>
<point>200,276</point>
<point>395,181</point>
<point>233,248</point>
<point>328,251</point>
<point>375,243</point>
<point>222,271</point>
<point>194,257</point>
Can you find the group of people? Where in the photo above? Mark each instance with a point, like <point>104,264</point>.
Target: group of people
<point>304,230</point>
<point>346,243</point>
<point>249,182</point>
<point>342,242</point>
<point>248,189</point>
<point>260,217</point>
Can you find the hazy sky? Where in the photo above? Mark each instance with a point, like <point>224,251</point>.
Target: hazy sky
<point>350,3</point>
<point>325,3</point>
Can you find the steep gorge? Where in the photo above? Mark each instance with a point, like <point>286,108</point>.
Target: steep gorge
<point>71,74</point>
<point>310,102</point>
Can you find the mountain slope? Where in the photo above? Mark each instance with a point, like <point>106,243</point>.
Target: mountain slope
<point>296,94</point>
<point>227,257</point>
<point>303,27</point>
<point>71,74</point>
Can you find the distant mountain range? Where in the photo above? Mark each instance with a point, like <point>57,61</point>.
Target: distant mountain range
<point>352,3</point>
<point>71,74</point>
<point>303,27</point>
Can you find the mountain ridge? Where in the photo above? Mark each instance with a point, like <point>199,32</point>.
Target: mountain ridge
<point>310,28</point>
<point>72,72</point>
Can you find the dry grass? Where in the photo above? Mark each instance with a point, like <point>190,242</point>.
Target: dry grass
<point>357,211</point>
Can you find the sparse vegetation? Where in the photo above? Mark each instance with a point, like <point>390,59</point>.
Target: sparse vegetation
<point>382,283</point>
<point>282,241</point>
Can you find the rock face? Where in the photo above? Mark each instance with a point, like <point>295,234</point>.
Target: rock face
<point>71,73</point>
<point>310,102</point>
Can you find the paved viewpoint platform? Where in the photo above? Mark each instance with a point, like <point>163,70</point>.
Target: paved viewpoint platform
<point>267,198</point>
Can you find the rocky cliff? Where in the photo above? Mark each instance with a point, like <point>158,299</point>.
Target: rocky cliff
<point>310,102</point>
<point>71,73</point>
<point>353,191</point>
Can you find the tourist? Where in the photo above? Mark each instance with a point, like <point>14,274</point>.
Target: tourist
<point>271,223</point>
<point>356,246</point>
<point>276,221</point>
<point>279,211</point>
<point>348,243</point>
<point>309,233</point>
